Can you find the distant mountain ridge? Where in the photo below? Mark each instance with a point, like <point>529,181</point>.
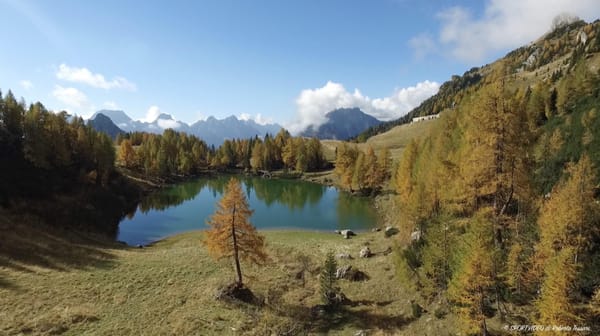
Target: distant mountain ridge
<point>342,124</point>
<point>212,130</point>
<point>102,123</point>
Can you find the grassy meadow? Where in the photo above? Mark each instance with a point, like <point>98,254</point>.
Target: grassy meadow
<point>75,285</point>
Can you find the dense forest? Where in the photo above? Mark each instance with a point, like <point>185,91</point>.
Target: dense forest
<point>499,205</point>
<point>174,153</point>
<point>59,169</point>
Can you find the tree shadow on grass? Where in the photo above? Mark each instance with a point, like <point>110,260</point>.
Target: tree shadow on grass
<point>7,284</point>
<point>23,247</point>
<point>316,320</point>
<point>360,319</point>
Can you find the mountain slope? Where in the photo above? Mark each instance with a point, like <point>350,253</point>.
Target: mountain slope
<point>102,123</point>
<point>342,124</point>
<point>511,170</point>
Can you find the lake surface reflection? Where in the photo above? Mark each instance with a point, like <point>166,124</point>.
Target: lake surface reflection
<point>277,204</point>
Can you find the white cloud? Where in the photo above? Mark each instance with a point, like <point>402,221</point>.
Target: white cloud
<point>313,104</point>
<point>152,114</point>
<point>26,84</point>
<point>85,76</point>
<point>70,97</point>
<point>259,119</point>
<point>164,124</point>
<point>504,24</point>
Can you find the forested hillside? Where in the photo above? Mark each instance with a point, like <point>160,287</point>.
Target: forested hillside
<point>499,209</point>
<point>59,170</point>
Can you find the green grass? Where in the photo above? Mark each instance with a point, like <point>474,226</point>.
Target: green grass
<point>93,287</point>
<point>395,139</point>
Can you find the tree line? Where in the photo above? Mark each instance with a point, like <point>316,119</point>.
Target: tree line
<point>53,144</point>
<point>177,153</point>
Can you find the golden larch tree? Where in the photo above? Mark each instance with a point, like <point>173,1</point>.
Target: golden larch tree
<point>127,154</point>
<point>231,234</point>
<point>554,305</point>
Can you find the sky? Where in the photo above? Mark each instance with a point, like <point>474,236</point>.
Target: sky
<point>288,62</point>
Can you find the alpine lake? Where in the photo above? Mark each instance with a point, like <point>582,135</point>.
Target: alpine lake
<point>278,204</point>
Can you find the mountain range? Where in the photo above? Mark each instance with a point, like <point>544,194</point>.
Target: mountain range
<point>341,124</point>
<point>212,130</point>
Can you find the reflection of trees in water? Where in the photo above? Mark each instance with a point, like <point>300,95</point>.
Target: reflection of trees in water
<point>293,194</point>
<point>353,210</point>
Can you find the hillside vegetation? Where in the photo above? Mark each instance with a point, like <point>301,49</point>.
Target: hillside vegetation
<point>503,193</point>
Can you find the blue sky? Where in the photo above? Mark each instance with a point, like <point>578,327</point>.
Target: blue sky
<point>284,61</point>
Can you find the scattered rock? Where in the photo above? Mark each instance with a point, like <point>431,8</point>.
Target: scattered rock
<point>361,333</point>
<point>170,282</point>
<point>415,236</point>
<point>344,256</point>
<point>347,233</point>
<point>351,274</point>
<point>341,271</point>
<point>387,251</point>
<point>390,231</point>
<point>299,275</point>
<point>365,252</point>
<point>140,246</point>
<point>375,230</point>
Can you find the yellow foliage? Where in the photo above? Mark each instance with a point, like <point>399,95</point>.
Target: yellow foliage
<point>231,234</point>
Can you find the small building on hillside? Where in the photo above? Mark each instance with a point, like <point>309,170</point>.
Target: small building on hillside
<point>427,117</point>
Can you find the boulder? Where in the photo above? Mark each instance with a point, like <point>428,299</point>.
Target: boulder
<point>341,271</point>
<point>390,231</point>
<point>347,233</point>
<point>365,252</point>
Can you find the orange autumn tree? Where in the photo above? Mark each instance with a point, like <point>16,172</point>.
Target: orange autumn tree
<point>231,234</point>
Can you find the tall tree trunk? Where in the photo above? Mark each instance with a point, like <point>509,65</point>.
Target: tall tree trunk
<point>235,249</point>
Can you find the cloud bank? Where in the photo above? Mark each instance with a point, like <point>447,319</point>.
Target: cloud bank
<point>504,24</point>
<point>85,76</point>
<point>313,104</point>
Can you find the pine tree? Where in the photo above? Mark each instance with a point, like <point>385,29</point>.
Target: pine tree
<point>328,279</point>
<point>231,235</point>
